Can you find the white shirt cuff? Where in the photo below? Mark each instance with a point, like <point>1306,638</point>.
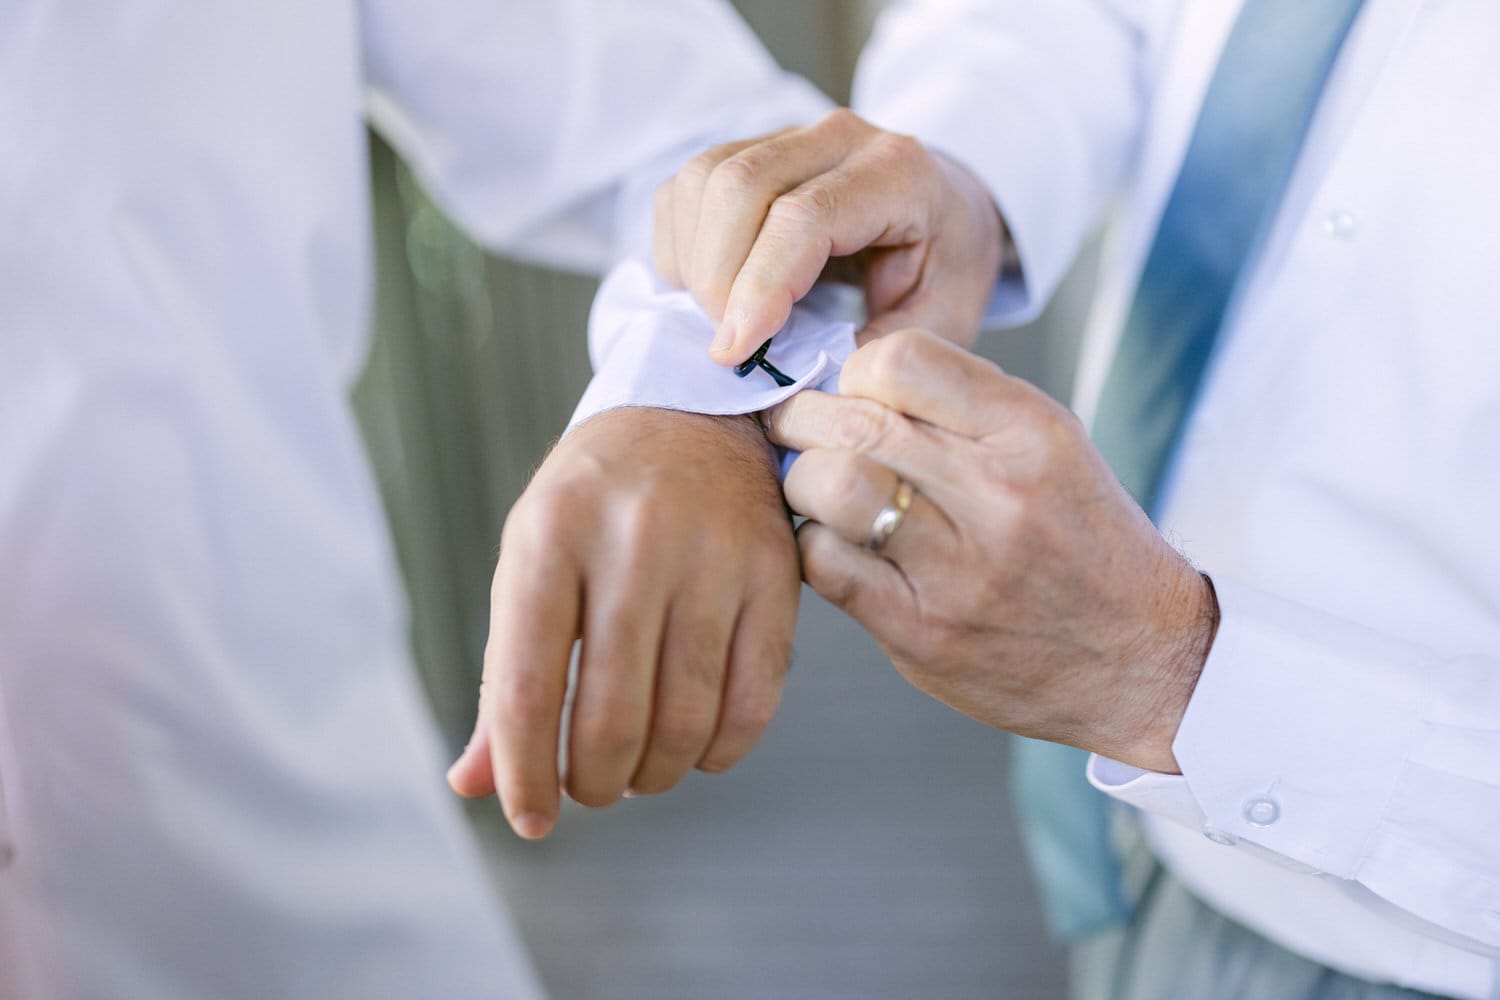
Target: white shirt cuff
<point>1326,746</point>
<point>650,348</point>
<point>1287,742</point>
<point>1010,304</point>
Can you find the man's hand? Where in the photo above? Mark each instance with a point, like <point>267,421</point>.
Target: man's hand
<point>1024,587</point>
<point>749,228</point>
<point>662,540</point>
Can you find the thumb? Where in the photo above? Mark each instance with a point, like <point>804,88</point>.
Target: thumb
<point>473,775</point>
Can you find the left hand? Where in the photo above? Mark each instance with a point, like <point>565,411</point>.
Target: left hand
<point>1024,587</point>
<point>660,539</point>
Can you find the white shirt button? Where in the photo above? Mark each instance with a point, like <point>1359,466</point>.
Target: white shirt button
<point>1223,837</point>
<point>1341,224</point>
<point>1262,810</point>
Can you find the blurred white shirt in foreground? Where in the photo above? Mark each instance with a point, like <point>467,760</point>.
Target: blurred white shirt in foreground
<point>217,777</point>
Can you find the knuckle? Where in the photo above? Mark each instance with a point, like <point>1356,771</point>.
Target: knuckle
<point>1007,509</point>
<point>1052,427</point>
<point>747,716</point>
<point>1047,432</point>
<point>1066,448</point>
<point>593,796</point>
<point>1066,425</point>
<point>736,179</point>
<point>655,782</point>
<point>891,359</point>
<point>864,427</point>
<point>803,208</point>
<point>761,283</point>
<point>842,120</point>
<point>682,731</point>
<point>645,521</point>
<point>519,695</point>
<point>901,148</point>
<point>606,733</point>
<point>909,345</point>
<point>696,171</point>
<point>542,515</point>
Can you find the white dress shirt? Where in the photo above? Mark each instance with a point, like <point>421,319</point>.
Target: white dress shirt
<point>1341,476</point>
<point>1341,755</point>
<point>217,778</point>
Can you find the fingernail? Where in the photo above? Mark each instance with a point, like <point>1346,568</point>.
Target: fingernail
<point>531,826</point>
<point>630,793</point>
<point>723,339</point>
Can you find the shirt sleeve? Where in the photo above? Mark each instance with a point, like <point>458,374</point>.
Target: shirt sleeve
<point>1337,750</point>
<point>544,129</point>
<point>1043,102</point>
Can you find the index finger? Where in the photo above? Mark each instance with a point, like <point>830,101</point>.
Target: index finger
<point>920,454</point>
<point>859,204</point>
<point>534,615</point>
<point>930,379</point>
<point>740,191</point>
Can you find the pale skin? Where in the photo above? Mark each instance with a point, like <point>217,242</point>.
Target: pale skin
<point>749,227</point>
<point>607,543</point>
<point>1043,602</point>
<point>1024,587</point>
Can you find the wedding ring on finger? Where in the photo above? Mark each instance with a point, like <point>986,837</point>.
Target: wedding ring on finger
<point>889,518</point>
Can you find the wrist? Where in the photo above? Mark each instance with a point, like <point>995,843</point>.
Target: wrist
<point>745,432</point>
<point>738,437</point>
<point>1163,679</point>
<point>979,205</point>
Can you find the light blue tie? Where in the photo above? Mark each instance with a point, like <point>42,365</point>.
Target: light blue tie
<point>1250,129</point>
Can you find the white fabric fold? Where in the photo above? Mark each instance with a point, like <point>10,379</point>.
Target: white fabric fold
<point>1397,803</point>
<point>649,344</point>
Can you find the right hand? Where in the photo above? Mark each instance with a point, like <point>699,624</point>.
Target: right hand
<point>749,227</point>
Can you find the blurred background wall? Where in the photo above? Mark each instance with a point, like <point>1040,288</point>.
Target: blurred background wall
<point>865,850</point>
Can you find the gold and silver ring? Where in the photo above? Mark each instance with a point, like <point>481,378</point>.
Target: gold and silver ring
<point>888,519</point>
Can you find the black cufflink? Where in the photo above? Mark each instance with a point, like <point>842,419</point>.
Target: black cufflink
<point>758,360</point>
